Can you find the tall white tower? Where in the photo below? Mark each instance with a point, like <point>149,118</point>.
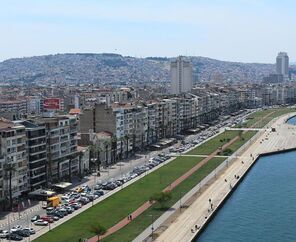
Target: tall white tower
<point>76,101</point>
<point>181,76</point>
<point>282,64</point>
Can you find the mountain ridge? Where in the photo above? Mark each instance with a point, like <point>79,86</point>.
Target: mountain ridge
<point>107,68</point>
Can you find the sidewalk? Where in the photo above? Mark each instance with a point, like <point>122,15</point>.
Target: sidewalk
<point>183,228</point>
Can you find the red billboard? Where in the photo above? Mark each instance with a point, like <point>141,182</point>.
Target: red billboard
<point>51,103</point>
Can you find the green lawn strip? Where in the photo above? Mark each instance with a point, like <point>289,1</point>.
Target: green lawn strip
<point>132,230</point>
<point>259,115</point>
<point>214,143</point>
<point>238,143</point>
<point>118,206</point>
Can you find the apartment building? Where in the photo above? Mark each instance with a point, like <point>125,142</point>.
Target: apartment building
<point>37,153</point>
<point>62,154</point>
<point>14,109</point>
<point>14,165</point>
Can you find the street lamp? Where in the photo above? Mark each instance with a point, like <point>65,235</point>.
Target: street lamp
<point>152,228</point>
<point>28,225</point>
<point>180,201</point>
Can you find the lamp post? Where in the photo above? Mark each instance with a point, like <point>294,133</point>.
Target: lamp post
<point>180,201</point>
<point>28,226</point>
<point>152,228</point>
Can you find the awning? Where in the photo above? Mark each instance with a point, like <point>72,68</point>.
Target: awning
<point>42,193</point>
<point>62,185</point>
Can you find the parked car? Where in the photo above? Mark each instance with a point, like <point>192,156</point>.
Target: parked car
<point>35,218</point>
<point>41,222</point>
<point>98,187</point>
<point>47,219</point>
<point>13,236</point>
<point>16,228</point>
<point>99,193</point>
<point>3,234</point>
<point>22,233</point>
<point>55,218</point>
<point>30,230</point>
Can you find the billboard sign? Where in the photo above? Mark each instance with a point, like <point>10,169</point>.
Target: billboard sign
<point>51,103</point>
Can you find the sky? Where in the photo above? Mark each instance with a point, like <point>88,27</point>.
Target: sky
<point>233,30</point>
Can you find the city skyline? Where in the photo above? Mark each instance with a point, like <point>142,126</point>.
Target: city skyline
<point>244,31</point>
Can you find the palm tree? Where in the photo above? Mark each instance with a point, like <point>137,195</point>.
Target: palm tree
<point>98,160</point>
<point>134,143</point>
<point>98,230</point>
<point>9,169</point>
<point>121,146</point>
<point>114,148</point>
<point>70,171</point>
<point>126,137</point>
<point>79,163</point>
<point>106,146</point>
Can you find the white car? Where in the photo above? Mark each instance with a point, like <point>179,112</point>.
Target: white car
<point>3,234</point>
<point>16,228</point>
<point>30,230</point>
<point>41,222</point>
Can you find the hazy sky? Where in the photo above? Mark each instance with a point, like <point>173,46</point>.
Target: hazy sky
<point>236,30</point>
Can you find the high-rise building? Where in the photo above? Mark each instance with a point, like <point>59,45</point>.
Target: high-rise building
<point>282,64</point>
<point>181,76</point>
<point>13,160</point>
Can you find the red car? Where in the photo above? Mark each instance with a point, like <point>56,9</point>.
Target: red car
<point>47,219</point>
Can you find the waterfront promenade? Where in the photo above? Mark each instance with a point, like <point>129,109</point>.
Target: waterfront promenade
<point>200,211</point>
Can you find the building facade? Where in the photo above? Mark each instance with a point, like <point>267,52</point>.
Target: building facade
<point>181,76</point>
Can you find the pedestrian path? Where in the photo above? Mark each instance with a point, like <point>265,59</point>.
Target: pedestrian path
<point>144,235</point>
<point>189,223</point>
<point>147,204</point>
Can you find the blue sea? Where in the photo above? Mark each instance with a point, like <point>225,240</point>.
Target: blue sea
<point>263,207</point>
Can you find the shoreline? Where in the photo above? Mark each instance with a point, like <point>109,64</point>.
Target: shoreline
<point>272,148</point>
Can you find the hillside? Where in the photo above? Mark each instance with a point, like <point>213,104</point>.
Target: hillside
<point>114,68</point>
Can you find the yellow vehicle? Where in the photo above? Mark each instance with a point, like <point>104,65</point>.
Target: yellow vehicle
<point>79,189</point>
<point>53,201</point>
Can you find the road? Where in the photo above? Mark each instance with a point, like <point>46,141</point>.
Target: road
<point>113,172</point>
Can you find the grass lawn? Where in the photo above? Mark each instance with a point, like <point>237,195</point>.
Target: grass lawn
<point>214,143</point>
<point>119,205</point>
<point>129,232</point>
<point>238,143</point>
<point>258,116</point>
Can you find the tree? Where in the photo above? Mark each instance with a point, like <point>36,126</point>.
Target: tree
<point>99,230</point>
<point>240,135</point>
<point>121,147</point>
<point>114,148</point>
<point>9,169</point>
<point>126,137</point>
<point>106,145</point>
<point>162,198</point>
<point>98,160</point>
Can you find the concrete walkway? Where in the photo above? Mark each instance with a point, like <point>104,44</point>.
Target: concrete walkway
<point>199,213</point>
<point>147,204</point>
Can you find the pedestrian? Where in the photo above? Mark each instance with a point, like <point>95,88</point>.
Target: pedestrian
<point>225,180</point>
<point>242,162</point>
<point>196,227</point>
<point>212,207</point>
<point>131,218</point>
<point>192,230</point>
<point>128,217</point>
<point>210,200</point>
<point>209,210</point>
